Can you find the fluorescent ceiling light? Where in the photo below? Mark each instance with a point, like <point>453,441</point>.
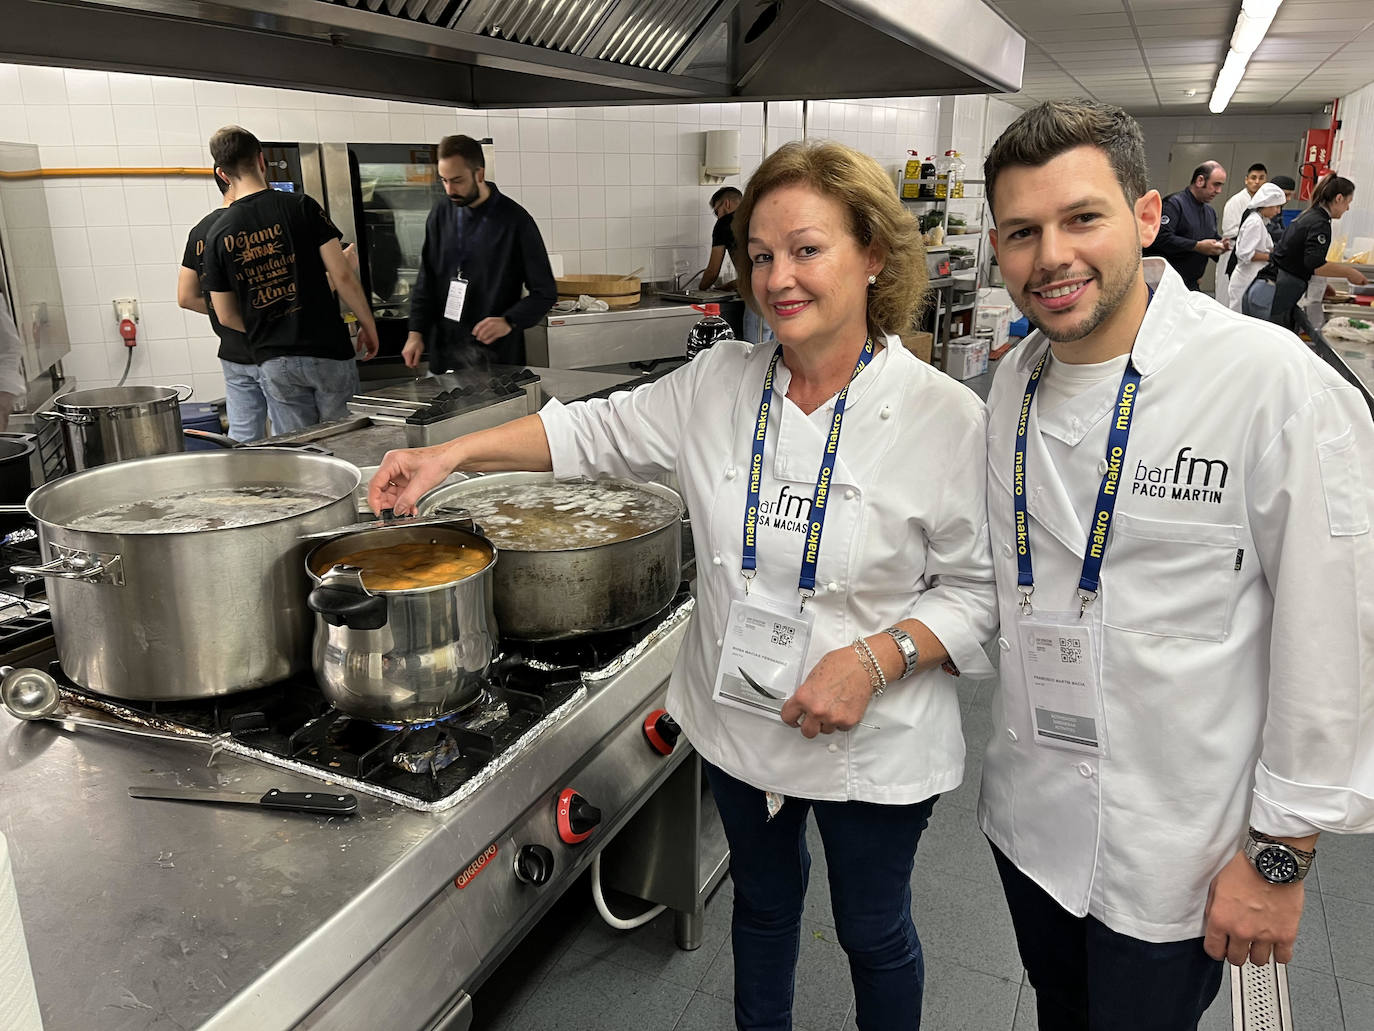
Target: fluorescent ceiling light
<point>1252,23</point>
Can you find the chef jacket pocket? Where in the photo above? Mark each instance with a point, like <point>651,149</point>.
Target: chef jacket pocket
<point>1347,511</point>
<point>1171,579</point>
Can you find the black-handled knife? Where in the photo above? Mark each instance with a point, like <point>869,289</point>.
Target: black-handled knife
<point>327,803</point>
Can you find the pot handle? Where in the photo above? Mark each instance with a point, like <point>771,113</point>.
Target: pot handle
<point>342,600</point>
<point>75,418</point>
<point>211,438</point>
<point>77,565</point>
<point>180,387</point>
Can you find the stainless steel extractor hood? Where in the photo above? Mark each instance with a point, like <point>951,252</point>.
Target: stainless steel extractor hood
<point>524,53</point>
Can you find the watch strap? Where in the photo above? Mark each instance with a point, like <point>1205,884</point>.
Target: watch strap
<point>910,654</point>
<point>1259,841</point>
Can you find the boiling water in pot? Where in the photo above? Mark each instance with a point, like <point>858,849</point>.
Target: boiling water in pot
<point>205,508</point>
<point>558,516</point>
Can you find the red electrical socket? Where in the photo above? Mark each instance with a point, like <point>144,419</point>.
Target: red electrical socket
<point>129,332</point>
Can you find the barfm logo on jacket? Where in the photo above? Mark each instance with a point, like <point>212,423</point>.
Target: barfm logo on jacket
<point>790,512</point>
<point>1189,479</point>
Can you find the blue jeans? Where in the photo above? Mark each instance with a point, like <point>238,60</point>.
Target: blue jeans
<point>304,391</point>
<point>870,850</point>
<point>1088,977</point>
<point>245,401</point>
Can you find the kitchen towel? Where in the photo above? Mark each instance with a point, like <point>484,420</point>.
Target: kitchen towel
<point>18,1000</point>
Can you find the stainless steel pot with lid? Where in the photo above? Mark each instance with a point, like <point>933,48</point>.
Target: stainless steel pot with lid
<point>577,557</point>
<point>403,655</point>
<point>114,424</point>
<point>182,576</point>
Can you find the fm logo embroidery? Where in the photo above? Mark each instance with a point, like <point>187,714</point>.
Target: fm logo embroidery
<point>1191,478</point>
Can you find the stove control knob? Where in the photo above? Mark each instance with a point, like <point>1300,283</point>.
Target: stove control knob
<point>577,817</point>
<point>533,864</point>
<point>662,731</point>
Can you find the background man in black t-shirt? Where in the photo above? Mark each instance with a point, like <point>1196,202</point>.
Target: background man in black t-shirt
<point>269,260</point>
<point>243,396</point>
<point>723,204</point>
<point>481,249</point>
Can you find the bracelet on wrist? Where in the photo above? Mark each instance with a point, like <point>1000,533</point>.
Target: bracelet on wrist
<point>877,680</point>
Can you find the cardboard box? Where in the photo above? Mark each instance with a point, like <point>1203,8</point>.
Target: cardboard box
<point>966,357</point>
<point>919,344</point>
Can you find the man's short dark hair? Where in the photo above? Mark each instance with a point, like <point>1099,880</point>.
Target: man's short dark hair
<point>723,193</point>
<point>1257,167</point>
<point>235,150</point>
<point>1056,126</point>
<point>1204,171</point>
<point>464,147</point>
<point>1284,182</point>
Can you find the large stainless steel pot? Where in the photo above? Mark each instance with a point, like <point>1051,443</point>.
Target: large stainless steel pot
<point>114,424</point>
<point>555,594</point>
<point>405,656</point>
<point>163,616</point>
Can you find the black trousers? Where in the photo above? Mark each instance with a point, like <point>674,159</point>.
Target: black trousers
<point>1088,977</point>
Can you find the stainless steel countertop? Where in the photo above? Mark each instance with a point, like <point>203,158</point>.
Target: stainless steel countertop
<point>649,307</point>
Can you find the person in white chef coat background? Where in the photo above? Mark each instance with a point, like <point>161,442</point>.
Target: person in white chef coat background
<point>1253,242</point>
<point>1180,513</point>
<point>836,487</point>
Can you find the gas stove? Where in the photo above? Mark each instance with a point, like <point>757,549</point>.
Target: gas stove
<point>432,767</point>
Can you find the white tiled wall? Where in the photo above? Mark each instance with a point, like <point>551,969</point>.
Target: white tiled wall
<point>611,188</point>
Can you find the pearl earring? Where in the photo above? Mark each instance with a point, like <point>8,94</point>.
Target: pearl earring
<point>872,280</point>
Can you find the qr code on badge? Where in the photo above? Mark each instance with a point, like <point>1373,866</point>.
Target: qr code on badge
<point>783,634</point>
<point>1070,650</point>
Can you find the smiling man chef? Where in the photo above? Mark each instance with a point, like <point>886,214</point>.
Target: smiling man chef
<point>1180,515</point>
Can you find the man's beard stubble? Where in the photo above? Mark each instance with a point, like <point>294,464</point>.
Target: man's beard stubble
<point>1114,292</point>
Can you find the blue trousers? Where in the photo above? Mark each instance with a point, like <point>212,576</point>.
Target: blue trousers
<point>869,850</point>
<point>245,401</point>
<point>1088,977</point>
<point>305,391</point>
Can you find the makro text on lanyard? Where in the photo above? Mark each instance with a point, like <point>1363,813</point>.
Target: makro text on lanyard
<point>1120,433</point>
<point>811,551</point>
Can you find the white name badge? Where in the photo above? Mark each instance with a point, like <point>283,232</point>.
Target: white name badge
<point>457,294</point>
<point>1060,663</point>
<point>763,660</point>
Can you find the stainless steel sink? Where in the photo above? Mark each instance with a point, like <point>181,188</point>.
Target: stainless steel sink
<point>699,296</point>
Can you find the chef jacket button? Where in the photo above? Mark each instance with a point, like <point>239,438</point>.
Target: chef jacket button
<point>1011,734</point>
<point>832,587</point>
<point>832,747</point>
<point>885,412</point>
<point>1004,644</point>
<point>849,494</point>
<point>1006,550</point>
<point>731,473</point>
<point>1102,468</point>
<point>716,560</point>
<point>1085,769</point>
<point>720,642</point>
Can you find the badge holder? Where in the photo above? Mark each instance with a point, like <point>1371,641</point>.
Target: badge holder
<point>763,660</point>
<point>457,294</point>
<point>1060,663</point>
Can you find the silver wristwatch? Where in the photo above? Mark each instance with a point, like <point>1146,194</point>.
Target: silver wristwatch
<point>1276,861</point>
<point>910,656</point>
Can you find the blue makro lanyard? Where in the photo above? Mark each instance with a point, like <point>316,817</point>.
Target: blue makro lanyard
<point>1120,433</point>
<point>806,585</point>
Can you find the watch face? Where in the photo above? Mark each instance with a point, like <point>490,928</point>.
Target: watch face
<point>1277,865</point>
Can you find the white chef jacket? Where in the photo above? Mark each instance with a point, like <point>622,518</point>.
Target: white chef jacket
<point>1232,213</point>
<point>1236,613</point>
<point>1254,236</point>
<point>905,535</point>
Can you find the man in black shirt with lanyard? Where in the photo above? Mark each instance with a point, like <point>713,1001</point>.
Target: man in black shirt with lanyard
<point>268,265</point>
<point>243,397</point>
<point>481,248</point>
<point>1188,226</point>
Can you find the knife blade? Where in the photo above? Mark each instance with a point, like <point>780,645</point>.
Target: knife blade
<point>327,803</point>
<point>772,697</point>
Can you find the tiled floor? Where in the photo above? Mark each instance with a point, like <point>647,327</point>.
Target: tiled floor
<point>574,973</point>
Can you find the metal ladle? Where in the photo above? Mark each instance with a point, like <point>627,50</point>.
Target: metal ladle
<point>31,694</point>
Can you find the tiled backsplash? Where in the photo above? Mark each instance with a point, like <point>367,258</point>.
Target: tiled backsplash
<point>611,188</point>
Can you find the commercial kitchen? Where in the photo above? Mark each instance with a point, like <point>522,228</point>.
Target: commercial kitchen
<point>552,858</point>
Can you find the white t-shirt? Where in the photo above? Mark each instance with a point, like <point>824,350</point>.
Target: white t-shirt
<point>1063,381</point>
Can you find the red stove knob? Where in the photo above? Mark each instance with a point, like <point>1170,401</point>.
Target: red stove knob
<point>577,817</point>
<point>662,731</point>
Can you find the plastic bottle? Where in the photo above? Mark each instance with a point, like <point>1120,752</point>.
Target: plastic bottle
<point>956,175</point>
<point>927,179</point>
<point>942,176</point>
<point>708,330</point>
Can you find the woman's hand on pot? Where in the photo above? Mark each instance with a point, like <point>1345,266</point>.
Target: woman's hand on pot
<point>833,697</point>
<point>404,476</point>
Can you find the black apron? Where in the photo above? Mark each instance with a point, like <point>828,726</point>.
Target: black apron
<point>1288,291</point>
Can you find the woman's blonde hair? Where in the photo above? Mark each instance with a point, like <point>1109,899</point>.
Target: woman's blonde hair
<point>876,217</point>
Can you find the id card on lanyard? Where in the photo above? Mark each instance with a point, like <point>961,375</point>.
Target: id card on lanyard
<point>457,294</point>
<point>763,657</point>
<point>1061,651</point>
